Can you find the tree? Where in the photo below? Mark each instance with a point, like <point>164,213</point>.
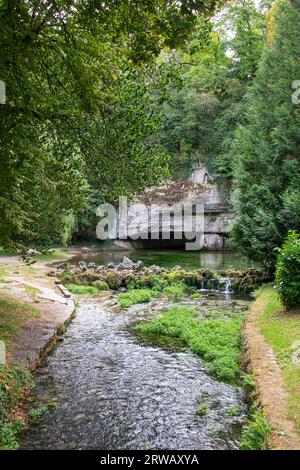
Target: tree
<point>267,147</point>
<point>63,64</point>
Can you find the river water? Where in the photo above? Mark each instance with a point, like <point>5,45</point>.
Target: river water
<point>114,392</point>
<point>214,260</point>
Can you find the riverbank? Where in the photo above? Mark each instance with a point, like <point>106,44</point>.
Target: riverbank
<point>272,345</point>
<point>33,313</point>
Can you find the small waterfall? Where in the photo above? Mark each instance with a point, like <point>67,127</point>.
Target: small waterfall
<point>228,287</point>
<point>203,284</point>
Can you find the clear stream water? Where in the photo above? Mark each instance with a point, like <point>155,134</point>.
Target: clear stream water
<point>214,260</point>
<point>115,392</point>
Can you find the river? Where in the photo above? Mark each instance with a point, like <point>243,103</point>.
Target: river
<point>113,391</point>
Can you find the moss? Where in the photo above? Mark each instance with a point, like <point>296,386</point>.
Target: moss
<point>101,285</point>
<point>113,279</point>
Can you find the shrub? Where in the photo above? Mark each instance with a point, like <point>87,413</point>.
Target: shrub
<point>138,296</point>
<point>288,271</point>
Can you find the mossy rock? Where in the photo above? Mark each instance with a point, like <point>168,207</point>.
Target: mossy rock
<point>101,285</point>
<point>113,279</point>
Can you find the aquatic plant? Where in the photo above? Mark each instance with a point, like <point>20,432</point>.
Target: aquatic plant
<point>216,341</point>
<point>75,289</point>
<point>137,296</point>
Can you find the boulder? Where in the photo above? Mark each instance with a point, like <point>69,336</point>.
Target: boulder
<point>92,266</point>
<point>82,266</point>
<point>85,249</point>
<point>128,263</point>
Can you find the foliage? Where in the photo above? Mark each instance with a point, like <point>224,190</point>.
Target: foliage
<point>288,271</point>
<point>138,296</point>
<point>202,409</point>
<point>176,291</point>
<point>256,435</point>
<point>218,342</point>
<point>35,414</point>
<point>113,279</point>
<point>267,153</point>
<point>15,383</point>
<point>76,289</point>
<point>205,100</point>
<point>77,104</point>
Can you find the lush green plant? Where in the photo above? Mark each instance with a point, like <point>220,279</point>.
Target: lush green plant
<point>288,271</point>
<point>218,342</point>
<point>266,149</point>
<point>233,411</point>
<point>256,435</point>
<point>15,383</point>
<point>36,414</point>
<point>202,409</point>
<point>138,296</point>
<point>75,289</point>
<point>176,291</point>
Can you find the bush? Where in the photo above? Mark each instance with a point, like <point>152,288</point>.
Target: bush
<point>175,291</point>
<point>288,271</point>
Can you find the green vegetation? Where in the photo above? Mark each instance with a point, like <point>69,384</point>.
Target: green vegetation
<point>82,290</point>
<point>202,409</point>
<point>36,414</point>
<point>234,410</point>
<point>256,435</point>
<point>288,271</point>
<point>15,384</point>
<point>13,314</point>
<point>217,342</point>
<point>176,291</point>
<point>282,331</point>
<point>138,296</point>
<point>266,147</point>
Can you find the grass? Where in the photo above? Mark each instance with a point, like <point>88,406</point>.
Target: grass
<point>13,314</point>
<point>217,342</point>
<point>282,331</point>
<point>54,255</point>
<point>137,296</point>
<point>175,292</point>
<point>256,435</point>
<point>82,290</point>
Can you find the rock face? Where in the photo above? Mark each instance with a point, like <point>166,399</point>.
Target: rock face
<point>152,207</point>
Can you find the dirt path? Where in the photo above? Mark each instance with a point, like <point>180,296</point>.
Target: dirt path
<point>270,383</point>
<point>32,285</point>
